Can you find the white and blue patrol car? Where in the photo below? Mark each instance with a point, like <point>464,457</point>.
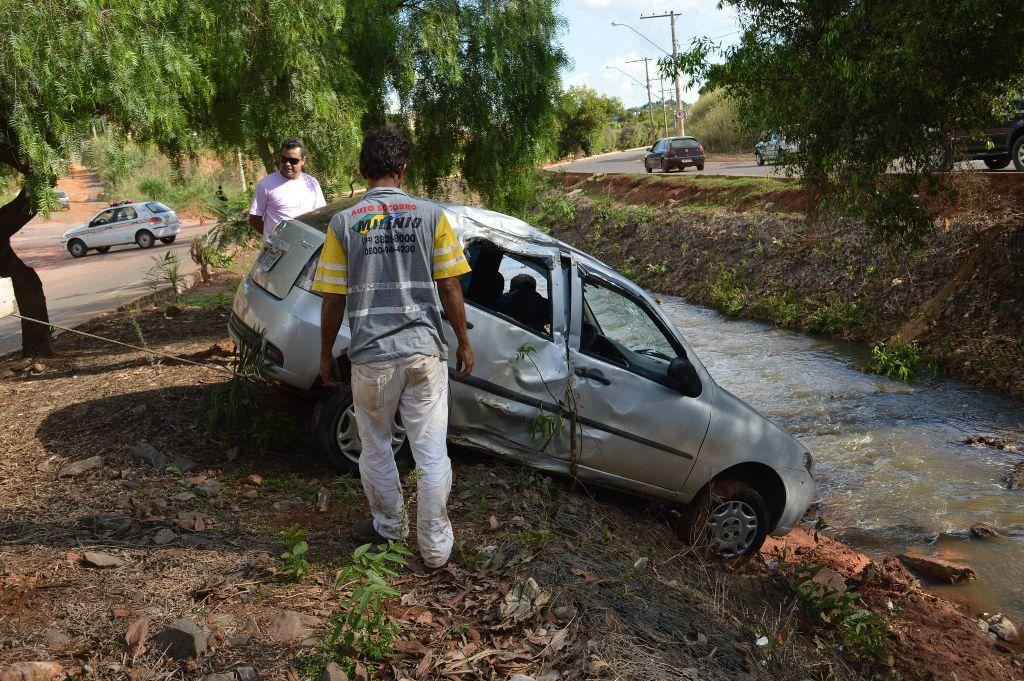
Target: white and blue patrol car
<point>139,223</point>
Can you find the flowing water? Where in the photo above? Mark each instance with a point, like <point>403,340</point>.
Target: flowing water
<point>893,471</point>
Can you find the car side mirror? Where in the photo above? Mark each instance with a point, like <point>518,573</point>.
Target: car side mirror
<point>684,378</point>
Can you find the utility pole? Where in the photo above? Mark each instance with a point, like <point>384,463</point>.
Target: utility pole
<point>680,129</point>
<point>650,104</point>
<point>664,108</point>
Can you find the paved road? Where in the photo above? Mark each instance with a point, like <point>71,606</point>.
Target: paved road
<point>632,162</point>
<point>79,289</point>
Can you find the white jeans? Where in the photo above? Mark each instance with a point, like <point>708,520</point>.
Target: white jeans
<point>417,386</point>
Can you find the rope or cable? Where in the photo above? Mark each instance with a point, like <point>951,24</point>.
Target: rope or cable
<point>134,347</point>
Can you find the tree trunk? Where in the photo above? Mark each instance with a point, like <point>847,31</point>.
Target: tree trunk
<point>28,289</point>
<point>267,156</point>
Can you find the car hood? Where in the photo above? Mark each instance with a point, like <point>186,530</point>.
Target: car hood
<point>75,230</point>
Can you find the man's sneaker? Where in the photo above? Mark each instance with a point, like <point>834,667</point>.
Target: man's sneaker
<point>365,531</point>
<point>417,565</point>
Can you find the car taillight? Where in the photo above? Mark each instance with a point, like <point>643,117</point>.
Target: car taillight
<point>700,150</point>
<point>154,220</point>
<point>305,279</point>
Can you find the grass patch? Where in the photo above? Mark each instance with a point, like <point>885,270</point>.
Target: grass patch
<point>727,292</point>
<point>782,309</point>
<point>835,316</point>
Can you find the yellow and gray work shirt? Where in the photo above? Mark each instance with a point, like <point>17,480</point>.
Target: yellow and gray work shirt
<point>384,254</point>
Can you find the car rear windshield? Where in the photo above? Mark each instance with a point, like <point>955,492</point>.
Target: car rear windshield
<point>688,143</point>
<point>156,207</point>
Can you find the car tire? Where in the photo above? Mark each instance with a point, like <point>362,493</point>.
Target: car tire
<point>729,518</point>
<point>167,239</point>
<point>996,163</point>
<point>759,159</point>
<point>103,249</point>
<point>700,166</point>
<point>77,248</point>
<point>144,239</point>
<point>1017,153</point>
<point>647,167</point>
<point>336,436</point>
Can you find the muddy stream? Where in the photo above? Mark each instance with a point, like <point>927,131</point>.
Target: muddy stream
<point>893,471</point>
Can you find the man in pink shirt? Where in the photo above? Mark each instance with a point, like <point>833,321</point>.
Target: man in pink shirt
<point>287,193</point>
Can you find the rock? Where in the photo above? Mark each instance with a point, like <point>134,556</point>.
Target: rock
<point>247,674</point>
<point>184,464</point>
<point>208,488</point>
<point>250,494</point>
<point>98,559</point>
<point>890,575</point>
<point>1015,478</point>
<point>334,673</point>
<point>322,497</point>
<point>80,466</point>
<point>291,626</point>
<point>22,364</point>
<point>79,410</point>
<point>164,536</point>
<point>139,410</point>
<point>938,569</point>
<point>183,640</point>
<point>564,613</point>
<point>254,479</point>
<point>108,524</point>
<point>148,454</point>
<point>287,504</point>
<point>983,531</point>
<point>825,583</point>
<point>55,639</point>
<point>38,368</point>
<point>523,601</point>
<point>251,627</point>
<point>1003,627</point>
<point>220,620</point>
<point>182,496</point>
<point>33,671</point>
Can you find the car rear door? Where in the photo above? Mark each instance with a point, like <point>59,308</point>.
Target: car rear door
<point>635,427</point>
<point>513,402</point>
<point>125,227</point>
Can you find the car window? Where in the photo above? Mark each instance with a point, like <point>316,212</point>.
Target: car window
<point>618,330</point>
<point>104,217</point>
<point>129,214</point>
<point>509,285</point>
<point>157,207</point>
<point>685,144</point>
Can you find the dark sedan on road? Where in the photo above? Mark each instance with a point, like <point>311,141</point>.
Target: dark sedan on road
<point>675,152</point>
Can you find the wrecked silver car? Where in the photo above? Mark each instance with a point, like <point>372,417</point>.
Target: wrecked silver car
<point>577,372</point>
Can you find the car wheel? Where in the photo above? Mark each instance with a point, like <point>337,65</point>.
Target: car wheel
<point>647,167</point>
<point>759,159</point>
<point>103,249</point>
<point>336,435</point>
<point>77,249</point>
<point>1017,153</point>
<point>700,166</point>
<point>144,239</point>
<point>729,518</point>
<point>167,239</point>
<point>996,163</point>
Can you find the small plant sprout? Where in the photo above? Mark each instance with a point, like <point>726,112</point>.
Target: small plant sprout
<point>293,560</point>
<point>166,271</point>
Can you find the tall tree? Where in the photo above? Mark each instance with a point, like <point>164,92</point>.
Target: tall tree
<point>62,64</point>
<point>861,84</point>
<point>580,115</point>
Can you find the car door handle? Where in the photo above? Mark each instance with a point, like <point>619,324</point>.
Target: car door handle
<point>592,374</point>
<point>469,324</point>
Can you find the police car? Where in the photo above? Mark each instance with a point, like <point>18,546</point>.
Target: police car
<point>125,223</point>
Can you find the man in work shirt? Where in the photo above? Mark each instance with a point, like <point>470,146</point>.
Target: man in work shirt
<point>394,262</point>
<point>287,193</point>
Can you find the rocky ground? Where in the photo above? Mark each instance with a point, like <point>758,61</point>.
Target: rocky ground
<point>140,540</point>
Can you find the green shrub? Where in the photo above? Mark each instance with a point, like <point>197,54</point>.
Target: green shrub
<point>153,188</point>
<point>783,309</point>
<point>293,560</point>
<point>727,292</point>
<point>862,631</point>
<point>898,359</point>
<point>835,316</point>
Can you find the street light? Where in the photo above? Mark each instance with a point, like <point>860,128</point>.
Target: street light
<point>615,23</point>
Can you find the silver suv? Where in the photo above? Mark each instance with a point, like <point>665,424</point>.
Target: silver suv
<point>577,371</point>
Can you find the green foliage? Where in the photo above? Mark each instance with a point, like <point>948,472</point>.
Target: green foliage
<point>727,292</point>
<point>152,188</point>
<point>166,271</point>
<point>714,120</point>
<point>293,560</point>
<point>835,316</point>
<point>898,359</point>
<point>234,402</point>
<point>906,76</point>
<point>580,115</point>
<point>363,625</point>
<point>783,309</point>
<point>865,633</point>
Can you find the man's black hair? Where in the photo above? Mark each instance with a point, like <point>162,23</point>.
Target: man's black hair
<point>384,152</point>
<point>295,143</point>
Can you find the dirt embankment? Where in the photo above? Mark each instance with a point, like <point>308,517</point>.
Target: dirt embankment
<point>743,246</point>
<point>105,550</point>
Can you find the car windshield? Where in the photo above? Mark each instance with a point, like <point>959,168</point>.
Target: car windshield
<point>157,207</point>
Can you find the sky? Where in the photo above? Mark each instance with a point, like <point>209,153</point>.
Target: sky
<point>594,44</point>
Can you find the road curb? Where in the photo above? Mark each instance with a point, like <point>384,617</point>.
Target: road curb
<point>589,158</point>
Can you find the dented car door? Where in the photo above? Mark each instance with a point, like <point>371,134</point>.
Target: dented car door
<point>515,309</point>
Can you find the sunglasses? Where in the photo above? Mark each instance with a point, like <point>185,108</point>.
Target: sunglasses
<point>290,161</point>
